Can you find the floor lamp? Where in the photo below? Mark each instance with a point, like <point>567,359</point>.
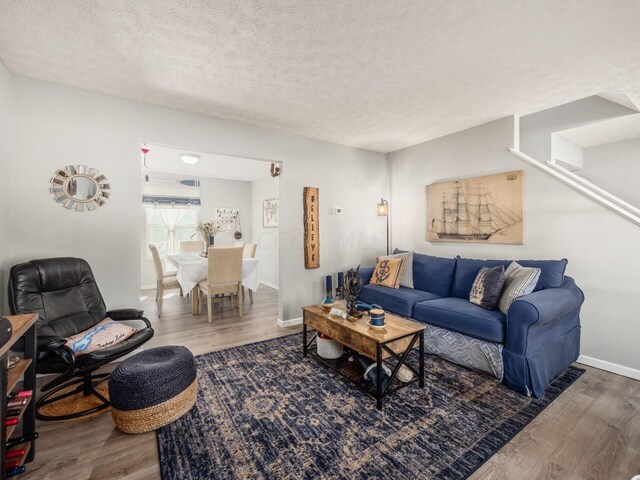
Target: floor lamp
<point>383,211</point>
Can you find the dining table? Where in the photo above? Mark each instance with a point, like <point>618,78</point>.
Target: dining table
<point>192,269</point>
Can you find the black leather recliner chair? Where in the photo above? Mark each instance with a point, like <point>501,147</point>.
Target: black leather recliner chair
<point>64,293</point>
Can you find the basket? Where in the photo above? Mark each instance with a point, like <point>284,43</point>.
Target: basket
<point>328,348</point>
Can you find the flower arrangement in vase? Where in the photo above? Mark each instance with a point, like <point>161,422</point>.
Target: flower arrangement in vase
<point>208,231</point>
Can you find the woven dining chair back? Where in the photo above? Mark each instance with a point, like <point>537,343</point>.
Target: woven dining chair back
<point>189,246</point>
<point>249,250</point>
<point>224,265</point>
<point>157,262</point>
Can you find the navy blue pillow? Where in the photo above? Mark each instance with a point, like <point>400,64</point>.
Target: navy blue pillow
<point>487,287</point>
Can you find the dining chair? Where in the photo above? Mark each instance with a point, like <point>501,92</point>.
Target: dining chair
<point>249,251</point>
<point>164,281</point>
<point>187,246</point>
<point>224,277</point>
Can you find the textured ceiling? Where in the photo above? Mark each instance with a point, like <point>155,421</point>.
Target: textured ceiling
<point>607,131</point>
<point>376,74</point>
<point>165,159</point>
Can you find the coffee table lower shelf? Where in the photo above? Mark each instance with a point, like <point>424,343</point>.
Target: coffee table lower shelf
<point>351,372</point>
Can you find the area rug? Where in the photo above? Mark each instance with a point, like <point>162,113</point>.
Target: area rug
<point>264,412</point>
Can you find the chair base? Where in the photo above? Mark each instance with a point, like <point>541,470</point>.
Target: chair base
<point>89,402</point>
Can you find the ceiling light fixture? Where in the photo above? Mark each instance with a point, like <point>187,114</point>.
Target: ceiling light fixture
<point>189,158</point>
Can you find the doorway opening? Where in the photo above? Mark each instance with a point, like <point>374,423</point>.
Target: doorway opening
<point>187,195</point>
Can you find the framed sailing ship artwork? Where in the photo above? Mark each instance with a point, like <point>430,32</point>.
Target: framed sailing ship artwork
<point>486,209</point>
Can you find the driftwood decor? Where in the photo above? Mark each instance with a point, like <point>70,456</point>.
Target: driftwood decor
<point>311,228</point>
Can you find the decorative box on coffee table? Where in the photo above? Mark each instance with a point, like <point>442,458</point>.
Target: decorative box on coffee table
<point>391,346</point>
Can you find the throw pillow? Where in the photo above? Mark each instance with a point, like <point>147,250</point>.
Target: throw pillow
<point>407,274</point>
<point>388,272</point>
<point>487,287</point>
<point>104,334</point>
<point>518,281</point>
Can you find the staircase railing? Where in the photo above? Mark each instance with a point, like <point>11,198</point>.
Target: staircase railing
<point>585,187</point>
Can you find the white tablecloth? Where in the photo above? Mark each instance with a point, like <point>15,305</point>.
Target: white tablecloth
<point>192,269</point>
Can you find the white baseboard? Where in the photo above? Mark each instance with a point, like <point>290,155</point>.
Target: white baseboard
<point>148,287</point>
<point>290,323</point>
<point>270,285</point>
<point>610,367</point>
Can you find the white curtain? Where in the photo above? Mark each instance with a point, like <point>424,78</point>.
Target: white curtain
<point>171,218</point>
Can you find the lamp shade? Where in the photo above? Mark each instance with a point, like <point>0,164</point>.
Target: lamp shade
<point>382,208</point>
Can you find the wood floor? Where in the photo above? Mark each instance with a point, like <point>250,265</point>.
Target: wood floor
<point>592,431</point>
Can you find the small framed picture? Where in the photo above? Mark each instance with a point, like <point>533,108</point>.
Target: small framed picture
<point>270,217</point>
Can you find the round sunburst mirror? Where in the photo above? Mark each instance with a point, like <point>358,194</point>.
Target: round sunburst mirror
<point>79,188</point>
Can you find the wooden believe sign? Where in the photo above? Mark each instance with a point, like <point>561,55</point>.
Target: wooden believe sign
<point>311,228</point>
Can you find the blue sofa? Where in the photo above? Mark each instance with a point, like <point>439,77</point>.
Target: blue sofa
<point>537,339</point>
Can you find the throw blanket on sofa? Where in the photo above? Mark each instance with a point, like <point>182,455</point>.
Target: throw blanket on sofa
<point>466,351</point>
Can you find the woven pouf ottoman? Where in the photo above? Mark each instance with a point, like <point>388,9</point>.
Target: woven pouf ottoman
<point>152,389</point>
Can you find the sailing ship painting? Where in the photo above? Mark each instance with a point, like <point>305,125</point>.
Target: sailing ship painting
<point>486,209</point>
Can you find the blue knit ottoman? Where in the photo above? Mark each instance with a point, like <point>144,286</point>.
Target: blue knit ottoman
<point>152,389</point>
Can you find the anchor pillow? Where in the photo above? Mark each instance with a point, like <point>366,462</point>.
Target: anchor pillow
<point>388,272</point>
<point>104,334</point>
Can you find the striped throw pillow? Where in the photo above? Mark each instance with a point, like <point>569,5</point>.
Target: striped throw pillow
<point>518,281</point>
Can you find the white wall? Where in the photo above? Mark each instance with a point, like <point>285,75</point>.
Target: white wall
<point>57,126</point>
<point>214,193</point>
<point>616,168</point>
<point>266,238</point>
<point>559,222</point>
<point>537,128</point>
<point>5,139</point>
<point>567,152</point>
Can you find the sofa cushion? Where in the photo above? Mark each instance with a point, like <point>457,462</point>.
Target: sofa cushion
<point>551,275</point>
<point>433,274</point>
<point>400,301</point>
<point>462,316</point>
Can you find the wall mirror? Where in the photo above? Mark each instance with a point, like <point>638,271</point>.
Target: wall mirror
<point>79,188</point>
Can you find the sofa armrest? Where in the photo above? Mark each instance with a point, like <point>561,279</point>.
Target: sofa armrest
<point>365,274</point>
<point>534,311</point>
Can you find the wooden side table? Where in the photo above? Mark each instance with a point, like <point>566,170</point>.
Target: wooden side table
<point>23,344</point>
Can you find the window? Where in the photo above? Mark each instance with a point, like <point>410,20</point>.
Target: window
<point>166,228</point>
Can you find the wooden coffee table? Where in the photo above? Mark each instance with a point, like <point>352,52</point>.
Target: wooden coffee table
<point>393,342</point>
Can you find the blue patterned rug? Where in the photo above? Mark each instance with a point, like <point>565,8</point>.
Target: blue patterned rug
<point>264,412</point>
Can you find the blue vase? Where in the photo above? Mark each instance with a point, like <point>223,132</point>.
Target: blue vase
<point>328,302</point>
